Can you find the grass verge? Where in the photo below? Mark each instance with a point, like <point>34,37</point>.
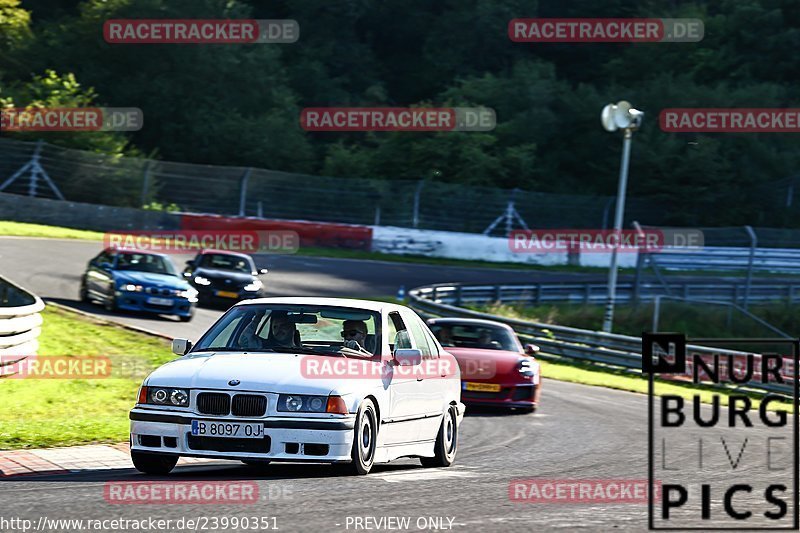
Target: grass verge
<point>37,413</point>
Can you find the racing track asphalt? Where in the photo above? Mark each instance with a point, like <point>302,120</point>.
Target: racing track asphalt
<point>579,432</point>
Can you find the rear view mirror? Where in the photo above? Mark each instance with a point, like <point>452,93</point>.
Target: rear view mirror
<point>181,346</point>
<point>408,357</point>
<point>531,349</point>
<point>304,318</point>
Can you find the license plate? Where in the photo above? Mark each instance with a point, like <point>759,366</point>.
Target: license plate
<point>159,301</point>
<point>482,387</point>
<point>228,294</point>
<point>233,430</point>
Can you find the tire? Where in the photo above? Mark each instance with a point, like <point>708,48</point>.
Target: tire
<point>186,318</point>
<point>83,294</point>
<point>446,445</point>
<point>364,441</point>
<point>111,303</point>
<point>154,464</point>
<point>526,410</point>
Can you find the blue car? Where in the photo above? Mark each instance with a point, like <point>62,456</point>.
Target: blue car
<point>133,280</point>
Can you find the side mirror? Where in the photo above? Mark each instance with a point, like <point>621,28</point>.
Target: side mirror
<point>531,349</point>
<point>190,262</point>
<point>407,357</point>
<point>263,271</point>
<point>181,346</point>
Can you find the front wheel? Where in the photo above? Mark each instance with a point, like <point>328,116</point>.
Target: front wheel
<point>155,464</point>
<point>446,441</point>
<point>365,438</point>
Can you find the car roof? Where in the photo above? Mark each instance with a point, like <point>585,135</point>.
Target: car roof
<point>116,249</point>
<point>224,252</point>
<point>370,305</point>
<point>469,322</point>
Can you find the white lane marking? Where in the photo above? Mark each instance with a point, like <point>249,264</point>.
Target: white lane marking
<point>425,474</point>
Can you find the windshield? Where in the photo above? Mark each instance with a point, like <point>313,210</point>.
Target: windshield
<point>295,328</point>
<point>475,336</point>
<point>155,264</point>
<point>226,262</point>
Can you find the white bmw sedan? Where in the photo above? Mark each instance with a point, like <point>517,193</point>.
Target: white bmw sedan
<point>326,380</point>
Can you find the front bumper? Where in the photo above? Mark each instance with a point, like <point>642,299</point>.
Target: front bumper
<point>207,295</point>
<point>286,439</point>
<point>510,395</point>
<point>167,305</point>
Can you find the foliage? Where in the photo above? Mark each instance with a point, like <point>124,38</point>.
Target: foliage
<point>240,104</point>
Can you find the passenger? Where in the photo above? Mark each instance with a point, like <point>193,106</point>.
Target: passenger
<point>354,333</point>
<point>445,336</point>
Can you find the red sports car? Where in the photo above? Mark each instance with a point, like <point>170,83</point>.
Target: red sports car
<point>495,369</point>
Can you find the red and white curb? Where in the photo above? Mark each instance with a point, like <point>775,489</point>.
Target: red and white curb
<point>73,459</point>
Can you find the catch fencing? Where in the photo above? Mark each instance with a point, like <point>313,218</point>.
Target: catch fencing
<point>562,342</point>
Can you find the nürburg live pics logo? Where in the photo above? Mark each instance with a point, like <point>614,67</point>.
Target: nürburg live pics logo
<point>722,433</point>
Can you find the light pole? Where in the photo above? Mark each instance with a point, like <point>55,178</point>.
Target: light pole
<point>619,116</point>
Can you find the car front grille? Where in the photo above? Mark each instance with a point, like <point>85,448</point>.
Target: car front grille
<point>217,403</point>
<point>212,403</point>
<point>157,291</point>
<point>249,405</point>
<point>484,395</point>
<point>217,444</point>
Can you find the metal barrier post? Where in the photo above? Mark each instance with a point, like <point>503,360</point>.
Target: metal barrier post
<point>753,244</point>
<point>243,192</point>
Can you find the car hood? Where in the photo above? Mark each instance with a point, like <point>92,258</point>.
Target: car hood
<point>264,372</point>
<point>150,278</point>
<point>478,363</point>
<point>211,273</point>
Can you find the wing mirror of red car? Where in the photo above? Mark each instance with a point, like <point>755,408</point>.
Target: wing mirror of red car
<point>407,357</point>
<point>531,349</point>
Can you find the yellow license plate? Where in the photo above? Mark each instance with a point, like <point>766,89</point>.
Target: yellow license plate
<point>482,387</point>
<point>228,294</point>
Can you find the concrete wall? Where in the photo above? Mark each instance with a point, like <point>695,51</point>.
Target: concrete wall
<point>83,216</point>
<point>473,246</point>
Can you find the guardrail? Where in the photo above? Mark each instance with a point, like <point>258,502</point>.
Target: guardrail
<point>20,320</point>
<point>556,342</point>
<point>596,293</point>
<point>728,259</point>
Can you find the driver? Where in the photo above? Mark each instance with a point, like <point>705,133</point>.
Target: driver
<point>354,333</point>
<point>282,332</point>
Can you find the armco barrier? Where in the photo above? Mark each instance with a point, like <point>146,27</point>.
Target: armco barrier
<point>20,320</point>
<point>571,343</point>
<point>320,234</point>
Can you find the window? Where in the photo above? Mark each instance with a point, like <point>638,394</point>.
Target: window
<point>398,334</point>
<point>421,338</point>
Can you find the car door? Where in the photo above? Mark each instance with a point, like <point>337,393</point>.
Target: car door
<point>99,280</point>
<point>432,378</point>
<point>406,407</point>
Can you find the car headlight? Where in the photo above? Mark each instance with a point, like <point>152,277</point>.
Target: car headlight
<point>254,286</point>
<point>525,368</point>
<point>301,403</point>
<point>130,287</point>
<point>185,293</point>
<point>200,280</point>
<point>165,396</point>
